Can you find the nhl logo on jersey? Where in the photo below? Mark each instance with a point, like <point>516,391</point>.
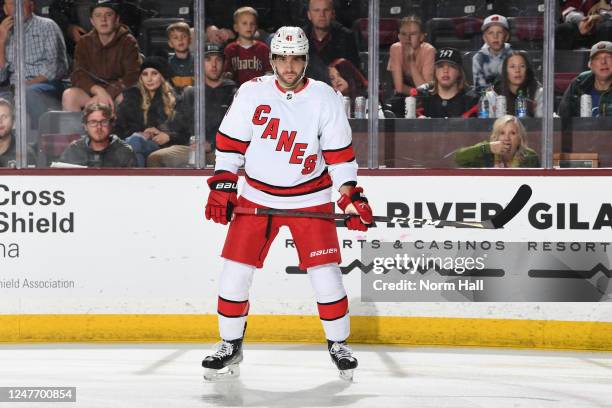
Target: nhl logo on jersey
<point>289,95</point>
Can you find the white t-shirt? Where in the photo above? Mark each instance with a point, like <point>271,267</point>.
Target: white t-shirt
<point>294,145</point>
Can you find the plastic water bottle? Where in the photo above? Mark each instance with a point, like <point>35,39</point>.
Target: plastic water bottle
<point>521,105</point>
<point>484,108</point>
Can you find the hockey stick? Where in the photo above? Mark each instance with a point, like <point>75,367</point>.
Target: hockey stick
<point>516,204</point>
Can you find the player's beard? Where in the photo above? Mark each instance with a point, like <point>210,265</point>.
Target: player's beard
<point>289,84</point>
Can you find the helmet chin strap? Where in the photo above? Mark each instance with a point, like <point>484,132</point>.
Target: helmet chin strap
<point>297,82</point>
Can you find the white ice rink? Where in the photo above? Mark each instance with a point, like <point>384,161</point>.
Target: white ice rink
<point>280,375</point>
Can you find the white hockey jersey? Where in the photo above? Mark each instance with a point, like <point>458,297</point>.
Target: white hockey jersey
<point>294,145</point>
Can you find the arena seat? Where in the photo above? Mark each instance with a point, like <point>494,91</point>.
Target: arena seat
<point>563,80</point>
<point>459,8</point>
<point>458,32</point>
<point>387,35</point>
<point>571,60</point>
<point>517,8</point>
<point>401,8</point>
<point>57,130</point>
<point>153,39</point>
<point>42,7</point>
<point>174,8</point>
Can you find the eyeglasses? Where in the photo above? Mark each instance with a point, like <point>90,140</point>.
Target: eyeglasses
<point>96,123</point>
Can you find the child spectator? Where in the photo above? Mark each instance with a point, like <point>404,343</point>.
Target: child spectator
<point>507,147</point>
<point>451,96</point>
<point>181,61</point>
<point>411,60</point>
<point>487,62</point>
<point>246,58</point>
<point>145,116</point>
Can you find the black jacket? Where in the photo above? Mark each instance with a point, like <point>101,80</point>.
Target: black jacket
<point>130,117</point>
<point>463,103</point>
<point>218,101</point>
<point>341,44</point>
<point>8,158</point>
<point>581,85</point>
<point>117,154</point>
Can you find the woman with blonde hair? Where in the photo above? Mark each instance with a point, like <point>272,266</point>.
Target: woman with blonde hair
<point>145,117</point>
<point>507,147</point>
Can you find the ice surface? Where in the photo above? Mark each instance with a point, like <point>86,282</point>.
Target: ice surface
<point>282,375</point>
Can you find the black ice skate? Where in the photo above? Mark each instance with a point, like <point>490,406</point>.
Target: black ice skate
<point>223,363</point>
<point>342,356</point>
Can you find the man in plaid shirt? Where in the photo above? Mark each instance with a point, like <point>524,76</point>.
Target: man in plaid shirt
<point>46,62</point>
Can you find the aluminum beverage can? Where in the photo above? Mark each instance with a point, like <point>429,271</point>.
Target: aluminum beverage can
<point>192,152</point>
<point>360,107</point>
<point>586,106</point>
<point>500,106</point>
<point>410,109</point>
<point>347,106</point>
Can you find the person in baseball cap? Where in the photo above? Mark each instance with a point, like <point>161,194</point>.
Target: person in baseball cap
<point>451,96</point>
<point>597,83</point>
<point>111,4</point>
<point>602,46</point>
<point>450,55</point>
<point>487,62</point>
<point>213,48</point>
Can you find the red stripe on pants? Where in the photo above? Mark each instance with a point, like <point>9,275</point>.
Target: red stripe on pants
<point>334,310</point>
<point>230,308</point>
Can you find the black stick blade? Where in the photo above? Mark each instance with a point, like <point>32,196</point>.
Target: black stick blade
<point>515,205</point>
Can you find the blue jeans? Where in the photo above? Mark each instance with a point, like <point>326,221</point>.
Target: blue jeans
<point>142,147</point>
<point>41,98</point>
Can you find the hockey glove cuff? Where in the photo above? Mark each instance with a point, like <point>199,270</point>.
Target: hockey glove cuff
<point>223,197</point>
<point>356,203</point>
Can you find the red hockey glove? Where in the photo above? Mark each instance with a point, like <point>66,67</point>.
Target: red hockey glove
<point>223,197</point>
<point>355,203</point>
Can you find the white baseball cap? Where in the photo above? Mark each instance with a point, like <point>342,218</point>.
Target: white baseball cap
<point>495,19</point>
<point>605,46</point>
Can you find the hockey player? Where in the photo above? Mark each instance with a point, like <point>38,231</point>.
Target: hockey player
<point>292,136</point>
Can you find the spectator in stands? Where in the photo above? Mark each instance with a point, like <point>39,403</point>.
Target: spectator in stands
<point>106,60</point>
<point>487,62</point>
<point>584,22</point>
<point>8,144</point>
<point>144,117</point>
<point>246,58</point>
<point>451,96</point>
<point>346,79</point>
<point>73,18</point>
<point>597,82</point>
<point>46,61</point>
<point>328,40</point>
<point>181,62</point>
<point>271,16</point>
<point>518,75</point>
<point>98,147</point>
<point>507,147</point>
<point>411,60</point>
<point>219,93</point>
